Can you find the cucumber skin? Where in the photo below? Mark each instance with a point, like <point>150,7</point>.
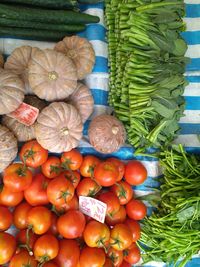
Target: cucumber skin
<point>89,1</point>
<point>47,16</point>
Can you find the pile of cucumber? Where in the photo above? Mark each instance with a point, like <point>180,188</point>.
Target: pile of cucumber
<point>48,20</point>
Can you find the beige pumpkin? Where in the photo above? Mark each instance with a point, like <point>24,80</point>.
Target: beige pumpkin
<point>82,100</point>
<point>1,61</point>
<point>52,75</point>
<point>80,51</point>
<point>59,127</point>
<point>106,133</point>
<point>11,91</point>
<point>18,62</point>
<point>22,132</point>
<point>8,147</point>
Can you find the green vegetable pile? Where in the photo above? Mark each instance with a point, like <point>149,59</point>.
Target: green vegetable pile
<point>172,232</point>
<point>147,63</point>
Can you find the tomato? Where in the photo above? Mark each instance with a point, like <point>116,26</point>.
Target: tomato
<point>93,257</point>
<point>132,254</point>
<point>26,241</point>
<point>60,191</point>
<point>46,248</point>
<point>73,176</point>
<point>17,177</point>
<point>87,187</point>
<point>116,256</point>
<point>118,217</point>
<point>7,247</point>
<point>33,154</point>
<point>52,167</point>
<point>136,209</point>
<point>88,165</point>
<point>72,159</point>
<point>73,204</point>
<point>120,165</point>
<point>120,237</point>
<point>134,226</point>
<point>123,191</point>
<point>39,219</point>
<point>53,228</point>
<point>96,234</point>
<point>68,254</point>
<point>71,224</point>
<point>23,259</point>
<point>6,218</point>
<point>135,172</point>
<point>125,264</point>
<point>108,263</point>
<point>106,173</point>
<point>111,201</point>
<point>50,264</point>
<point>20,215</point>
<point>9,198</point>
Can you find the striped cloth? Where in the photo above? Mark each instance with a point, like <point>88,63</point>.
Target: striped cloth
<point>98,83</point>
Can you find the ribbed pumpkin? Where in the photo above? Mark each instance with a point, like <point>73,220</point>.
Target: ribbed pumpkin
<point>11,91</point>
<point>22,132</point>
<point>80,51</point>
<point>82,100</point>
<point>59,127</point>
<point>8,147</point>
<point>1,61</point>
<point>18,62</point>
<point>106,133</point>
<point>52,75</point>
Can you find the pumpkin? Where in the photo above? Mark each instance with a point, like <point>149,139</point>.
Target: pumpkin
<point>59,127</point>
<point>22,132</point>
<point>11,91</point>
<point>18,62</point>
<point>80,51</point>
<point>52,75</point>
<point>106,133</point>
<point>82,100</point>
<point>1,61</point>
<point>8,147</point>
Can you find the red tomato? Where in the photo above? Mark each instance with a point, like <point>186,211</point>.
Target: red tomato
<point>7,247</point>
<point>118,217</point>
<point>73,204</point>
<point>108,263</point>
<point>106,173</point>
<point>134,226</point>
<point>132,254</point>
<point>50,264</point>
<point>120,165</point>
<point>120,237</point>
<point>123,191</point>
<point>135,172</point>
<point>20,215</point>
<point>53,228</point>
<point>26,239</point>
<point>46,248</point>
<point>93,257</point>
<point>60,191</point>
<point>136,209</point>
<point>68,254</point>
<point>96,234</point>
<point>116,256</point>
<point>6,218</point>
<point>87,187</point>
<point>73,176</point>
<point>17,177</point>
<point>125,264</point>
<point>88,165</point>
<point>52,167</point>
<point>9,198</point>
<point>71,224</point>
<point>72,159</point>
<point>112,202</point>
<point>36,193</point>
<point>23,259</point>
<point>39,219</point>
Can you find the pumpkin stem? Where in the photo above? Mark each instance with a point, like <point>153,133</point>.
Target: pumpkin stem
<point>71,53</point>
<point>115,130</point>
<point>53,75</point>
<point>65,131</point>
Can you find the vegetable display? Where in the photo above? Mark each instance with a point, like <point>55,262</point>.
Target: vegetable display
<point>147,63</point>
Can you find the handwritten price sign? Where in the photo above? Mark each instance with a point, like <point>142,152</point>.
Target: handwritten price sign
<point>93,208</point>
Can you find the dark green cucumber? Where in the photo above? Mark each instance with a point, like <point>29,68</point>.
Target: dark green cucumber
<point>41,26</point>
<point>45,16</point>
<point>89,1</point>
<point>33,34</point>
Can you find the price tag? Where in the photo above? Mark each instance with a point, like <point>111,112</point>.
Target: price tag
<point>25,114</point>
<point>93,208</point>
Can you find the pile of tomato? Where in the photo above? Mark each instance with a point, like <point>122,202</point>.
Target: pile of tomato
<point>40,197</point>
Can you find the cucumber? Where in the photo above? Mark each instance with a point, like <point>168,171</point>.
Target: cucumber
<point>89,1</point>
<point>45,16</point>
<point>41,26</point>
